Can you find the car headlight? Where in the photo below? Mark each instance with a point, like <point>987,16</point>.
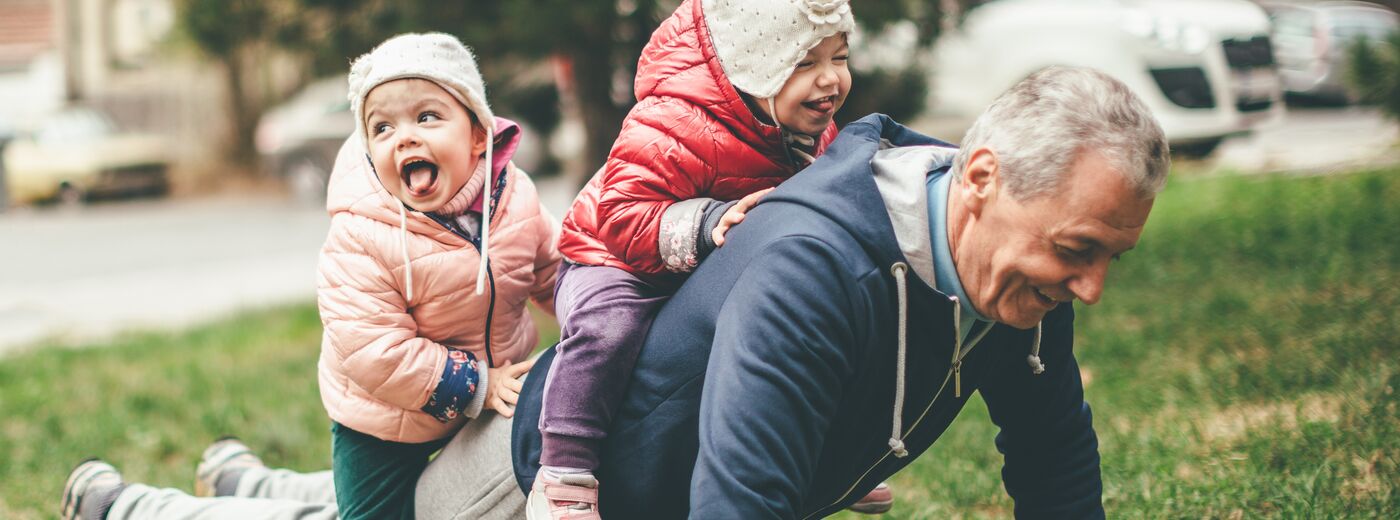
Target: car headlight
<point>1166,32</point>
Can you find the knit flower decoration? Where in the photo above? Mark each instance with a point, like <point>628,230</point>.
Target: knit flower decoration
<point>824,11</point>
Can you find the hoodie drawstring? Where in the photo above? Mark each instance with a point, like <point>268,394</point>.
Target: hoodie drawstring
<point>899,270</point>
<point>1034,359</point>
<point>956,364</point>
<point>486,211</point>
<point>403,247</point>
<point>487,181</point>
<point>896,442</point>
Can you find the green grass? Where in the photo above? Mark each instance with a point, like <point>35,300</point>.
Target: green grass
<point>149,403</point>
<point>1243,364</point>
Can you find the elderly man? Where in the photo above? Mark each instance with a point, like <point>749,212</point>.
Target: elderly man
<point>847,321</point>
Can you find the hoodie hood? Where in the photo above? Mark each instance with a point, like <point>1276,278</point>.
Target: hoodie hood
<point>505,142</point>
<point>899,175</point>
<point>899,159</point>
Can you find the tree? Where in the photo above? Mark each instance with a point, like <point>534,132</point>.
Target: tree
<point>227,30</point>
<point>598,41</point>
<point>1373,73</point>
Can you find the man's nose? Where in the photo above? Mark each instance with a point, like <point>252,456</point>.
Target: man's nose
<point>1088,285</point>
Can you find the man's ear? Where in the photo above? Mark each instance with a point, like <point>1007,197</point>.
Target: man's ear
<point>980,179</point>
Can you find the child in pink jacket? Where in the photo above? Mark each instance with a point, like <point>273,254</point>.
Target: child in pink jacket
<point>436,242</point>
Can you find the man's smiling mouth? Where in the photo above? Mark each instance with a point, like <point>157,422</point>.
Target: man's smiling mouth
<point>1045,298</point>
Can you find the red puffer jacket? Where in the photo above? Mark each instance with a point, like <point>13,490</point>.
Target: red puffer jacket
<point>690,135</point>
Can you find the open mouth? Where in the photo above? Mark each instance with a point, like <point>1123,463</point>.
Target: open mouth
<point>1045,299</point>
<point>420,177</point>
<point>821,105</point>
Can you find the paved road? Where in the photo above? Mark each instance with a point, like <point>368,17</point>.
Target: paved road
<point>150,265</point>
<point>1315,140</point>
<point>144,265</point>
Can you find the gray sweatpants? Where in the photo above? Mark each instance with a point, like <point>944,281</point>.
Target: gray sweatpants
<point>471,478</point>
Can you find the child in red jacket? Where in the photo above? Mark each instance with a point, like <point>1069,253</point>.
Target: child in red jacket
<point>734,96</point>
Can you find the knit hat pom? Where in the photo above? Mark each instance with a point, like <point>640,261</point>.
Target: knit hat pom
<point>760,42</point>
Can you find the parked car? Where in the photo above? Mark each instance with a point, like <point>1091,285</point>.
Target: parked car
<point>1312,44</point>
<point>6,134</point>
<point>298,140</point>
<point>1204,67</point>
<point>76,154</point>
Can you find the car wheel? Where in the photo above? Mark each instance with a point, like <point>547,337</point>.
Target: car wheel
<point>307,180</point>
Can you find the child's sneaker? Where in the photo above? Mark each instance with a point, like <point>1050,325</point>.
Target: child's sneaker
<point>221,465</point>
<point>91,489</point>
<point>877,502</point>
<point>570,497</point>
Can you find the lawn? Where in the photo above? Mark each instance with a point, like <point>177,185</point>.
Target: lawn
<point>1242,364</point>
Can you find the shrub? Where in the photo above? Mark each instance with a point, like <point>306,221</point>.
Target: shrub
<point>1373,73</point>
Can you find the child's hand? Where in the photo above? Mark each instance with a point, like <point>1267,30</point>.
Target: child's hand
<point>735,214</point>
<point>503,386</point>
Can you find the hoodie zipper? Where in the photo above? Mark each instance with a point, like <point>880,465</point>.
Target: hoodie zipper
<point>490,277</point>
<point>955,373</point>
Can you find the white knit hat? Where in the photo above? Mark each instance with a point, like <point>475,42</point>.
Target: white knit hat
<point>760,42</point>
<point>442,59</point>
<point>437,57</point>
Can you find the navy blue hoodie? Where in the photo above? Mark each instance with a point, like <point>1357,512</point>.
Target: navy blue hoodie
<point>767,385</point>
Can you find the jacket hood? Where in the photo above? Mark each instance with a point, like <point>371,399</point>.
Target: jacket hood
<point>680,61</point>
<point>876,162</point>
<point>900,174</point>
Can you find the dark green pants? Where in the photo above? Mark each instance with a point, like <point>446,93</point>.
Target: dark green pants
<point>374,478</point>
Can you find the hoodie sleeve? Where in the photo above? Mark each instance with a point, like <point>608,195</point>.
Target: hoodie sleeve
<point>664,154</point>
<point>1047,436</point>
<point>777,371</point>
<point>367,324</point>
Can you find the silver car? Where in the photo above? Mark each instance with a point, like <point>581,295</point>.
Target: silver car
<point>299,139</point>
<point>1312,44</point>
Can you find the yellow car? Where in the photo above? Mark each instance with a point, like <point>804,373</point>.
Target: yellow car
<point>77,154</point>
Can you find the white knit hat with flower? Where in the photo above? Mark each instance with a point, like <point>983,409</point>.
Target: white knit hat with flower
<point>760,42</point>
<point>441,59</point>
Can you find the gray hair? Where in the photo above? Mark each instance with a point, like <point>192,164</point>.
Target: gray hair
<point>1039,127</point>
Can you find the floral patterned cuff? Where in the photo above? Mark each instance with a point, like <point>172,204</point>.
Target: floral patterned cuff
<point>456,388</point>
<point>680,228</point>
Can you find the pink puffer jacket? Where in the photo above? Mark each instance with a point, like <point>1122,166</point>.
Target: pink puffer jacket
<point>381,356</point>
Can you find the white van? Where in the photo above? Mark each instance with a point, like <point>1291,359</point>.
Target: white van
<point>1204,67</point>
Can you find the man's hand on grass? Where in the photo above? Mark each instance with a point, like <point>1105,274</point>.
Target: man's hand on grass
<point>503,386</point>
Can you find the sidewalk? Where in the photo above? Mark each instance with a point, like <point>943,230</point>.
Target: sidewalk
<point>82,275</point>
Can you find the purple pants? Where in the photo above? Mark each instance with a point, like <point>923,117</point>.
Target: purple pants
<point>604,313</point>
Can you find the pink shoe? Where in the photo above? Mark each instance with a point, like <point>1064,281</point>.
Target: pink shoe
<point>571,497</point>
<point>877,502</point>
